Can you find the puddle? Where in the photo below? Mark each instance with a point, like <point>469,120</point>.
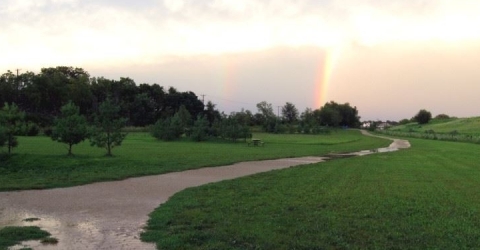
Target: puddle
<point>394,146</point>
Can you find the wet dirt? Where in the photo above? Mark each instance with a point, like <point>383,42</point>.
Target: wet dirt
<point>111,215</point>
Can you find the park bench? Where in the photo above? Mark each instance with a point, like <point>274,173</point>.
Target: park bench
<point>256,142</point>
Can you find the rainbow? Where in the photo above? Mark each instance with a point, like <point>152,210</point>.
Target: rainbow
<point>323,77</point>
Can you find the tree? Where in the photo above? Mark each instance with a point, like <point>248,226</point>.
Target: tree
<point>200,129</point>
<point>172,128</point>
<point>289,113</point>
<point>211,114</point>
<point>11,119</point>
<point>268,116</point>
<point>423,116</point>
<point>3,136</point>
<point>70,127</point>
<point>107,132</point>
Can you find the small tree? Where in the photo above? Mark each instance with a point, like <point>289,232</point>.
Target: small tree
<point>168,129</point>
<point>70,127</point>
<point>11,119</point>
<point>423,116</point>
<point>107,132</point>
<point>171,128</point>
<point>200,129</point>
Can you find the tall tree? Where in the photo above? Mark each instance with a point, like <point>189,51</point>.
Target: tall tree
<point>289,113</point>
<point>268,116</point>
<point>11,119</point>
<point>107,132</point>
<point>211,113</point>
<point>70,127</point>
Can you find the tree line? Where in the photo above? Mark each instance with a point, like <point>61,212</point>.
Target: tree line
<point>47,100</point>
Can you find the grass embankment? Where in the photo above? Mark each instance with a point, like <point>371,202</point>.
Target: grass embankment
<point>469,126</point>
<point>453,129</point>
<point>425,197</point>
<point>39,162</point>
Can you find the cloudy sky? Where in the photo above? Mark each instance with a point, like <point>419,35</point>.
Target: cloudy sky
<point>387,58</point>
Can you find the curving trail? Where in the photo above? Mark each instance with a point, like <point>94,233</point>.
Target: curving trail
<point>110,215</point>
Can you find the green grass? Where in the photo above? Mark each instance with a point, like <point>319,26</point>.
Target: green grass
<point>10,236</point>
<point>40,163</point>
<point>425,197</point>
<point>470,126</point>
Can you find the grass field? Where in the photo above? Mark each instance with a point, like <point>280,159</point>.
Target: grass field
<point>470,126</point>
<point>425,197</point>
<point>39,162</point>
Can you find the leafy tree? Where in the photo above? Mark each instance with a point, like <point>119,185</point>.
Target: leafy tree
<point>404,121</point>
<point>290,113</point>
<point>211,113</point>
<point>330,116</point>
<point>268,116</point>
<point>442,117</point>
<point>70,127</point>
<point>168,129</point>
<point>107,132</point>
<point>423,116</point>
<point>184,117</point>
<point>200,129</point>
<point>11,118</point>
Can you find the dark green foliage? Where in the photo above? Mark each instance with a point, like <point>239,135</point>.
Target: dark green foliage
<point>172,128</point>
<point>168,129</point>
<point>232,129</point>
<point>211,114</point>
<point>200,129</point>
<point>29,129</point>
<point>404,121</point>
<point>11,119</point>
<point>10,236</point>
<point>289,113</point>
<point>71,127</point>
<point>107,131</point>
<point>267,116</point>
<point>3,136</point>
<point>333,114</point>
<point>442,117</point>
<point>423,116</point>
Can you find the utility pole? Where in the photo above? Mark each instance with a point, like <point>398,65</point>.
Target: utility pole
<point>17,82</point>
<point>278,111</point>
<point>203,99</point>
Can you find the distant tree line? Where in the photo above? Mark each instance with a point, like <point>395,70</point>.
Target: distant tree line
<point>69,105</point>
<point>42,95</point>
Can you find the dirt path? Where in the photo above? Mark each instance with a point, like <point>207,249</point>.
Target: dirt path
<point>110,215</point>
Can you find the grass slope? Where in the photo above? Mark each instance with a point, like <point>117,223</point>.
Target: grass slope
<point>425,197</point>
<point>469,126</point>
<point>41,163</point>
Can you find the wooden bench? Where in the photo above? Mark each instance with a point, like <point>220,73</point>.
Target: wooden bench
<point>256,142</point>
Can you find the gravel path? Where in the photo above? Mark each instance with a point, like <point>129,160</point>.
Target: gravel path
<point>110,215</point>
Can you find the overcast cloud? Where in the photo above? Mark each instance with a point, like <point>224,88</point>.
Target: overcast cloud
<point>392,58</point>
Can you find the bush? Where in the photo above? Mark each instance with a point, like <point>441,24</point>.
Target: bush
<point>423,116</point>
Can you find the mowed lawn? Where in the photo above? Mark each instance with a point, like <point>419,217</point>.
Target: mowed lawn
<point>425,197</point>
<point>39,162</point>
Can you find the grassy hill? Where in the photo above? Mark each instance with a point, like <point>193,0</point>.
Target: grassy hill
<point>470,126</point>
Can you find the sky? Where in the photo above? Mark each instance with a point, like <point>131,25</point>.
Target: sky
<point>387,58</point>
